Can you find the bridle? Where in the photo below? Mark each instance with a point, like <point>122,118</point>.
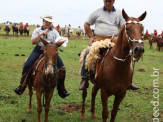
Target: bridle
<point>53,64</point>
<point>52,85</point>
<point>129,41</point>
<point>128,38</point>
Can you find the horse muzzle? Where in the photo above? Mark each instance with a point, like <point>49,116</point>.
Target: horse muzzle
<point>49,70</point>
<point>138,51</point>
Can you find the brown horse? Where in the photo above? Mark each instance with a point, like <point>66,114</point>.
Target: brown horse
<point>78,33</point>
<point>7,29</point>
<point>44,78</point>
<point>26,31</point>
<point>21,31</point>
<point>159,42</point>
<point>15,30</point>
<point>113,73</point>
<point>150,40</point>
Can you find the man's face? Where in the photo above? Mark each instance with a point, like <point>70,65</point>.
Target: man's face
<point>109,4</point>
<point>47,24</point>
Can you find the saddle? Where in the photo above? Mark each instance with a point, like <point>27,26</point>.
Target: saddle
<point>96,52</point>
<point>31,71</point>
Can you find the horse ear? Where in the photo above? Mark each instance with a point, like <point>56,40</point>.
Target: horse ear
<point>142,16</point>
<point>44,41</point>
<point>125,16</point>
<point>59,43</point>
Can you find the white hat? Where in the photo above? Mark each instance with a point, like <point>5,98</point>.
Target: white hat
<point>47,18</point>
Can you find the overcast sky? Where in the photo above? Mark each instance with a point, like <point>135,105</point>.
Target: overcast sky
<point>75,12</point>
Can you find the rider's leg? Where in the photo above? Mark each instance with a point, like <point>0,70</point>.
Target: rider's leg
<point>84,83</point>
<point>61,78</point>
<point>30,61</point>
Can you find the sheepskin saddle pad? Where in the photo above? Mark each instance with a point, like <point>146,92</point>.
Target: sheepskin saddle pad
<point>94,53</point>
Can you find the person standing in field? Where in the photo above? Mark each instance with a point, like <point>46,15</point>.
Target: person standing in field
<point>108,21</point>
<point>46,32</point>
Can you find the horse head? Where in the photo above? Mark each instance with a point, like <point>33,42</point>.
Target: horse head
<point>134,34</point>
<point>50,54</point>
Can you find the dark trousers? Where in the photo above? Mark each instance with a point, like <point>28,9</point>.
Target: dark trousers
<point>33,57</point>
<point>83,70</point>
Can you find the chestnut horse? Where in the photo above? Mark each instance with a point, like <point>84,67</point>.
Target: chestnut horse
<point>114,74</point>
<point>44,78</point>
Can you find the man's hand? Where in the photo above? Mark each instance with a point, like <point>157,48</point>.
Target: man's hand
<point>91,40</point>
<point>45,32</point>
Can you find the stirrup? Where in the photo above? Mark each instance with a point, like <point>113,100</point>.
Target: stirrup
<point>84,84</point>
<point>132,87</point>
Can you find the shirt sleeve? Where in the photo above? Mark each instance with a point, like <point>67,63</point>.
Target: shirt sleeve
<point>56,35</point>
<point>92,18</point>
<point>35,33</point>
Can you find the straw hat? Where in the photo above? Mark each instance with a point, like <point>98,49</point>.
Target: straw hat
<point>48,18</point>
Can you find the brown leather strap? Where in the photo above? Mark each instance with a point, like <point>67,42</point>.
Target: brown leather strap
<point>98,38</point>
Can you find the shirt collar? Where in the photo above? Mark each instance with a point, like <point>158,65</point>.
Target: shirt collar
<point>113,9</point>
<point>42,28</point>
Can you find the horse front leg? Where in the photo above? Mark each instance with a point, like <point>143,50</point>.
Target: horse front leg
<point>30,98</point>
<point>48,96</point>
<point>84,95</point>
<point>39,107</point>
<point>104,100</point>
<point>94,93</point>
<point>117,100</point>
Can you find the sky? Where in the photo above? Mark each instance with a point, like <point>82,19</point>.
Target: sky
<point>75,12</point>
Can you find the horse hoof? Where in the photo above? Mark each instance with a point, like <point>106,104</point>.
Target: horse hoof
<point>82,118</point>
<point>29,111</point>
<point>94,116</point>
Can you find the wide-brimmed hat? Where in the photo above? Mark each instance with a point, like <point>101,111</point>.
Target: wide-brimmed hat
<point>48,18</point>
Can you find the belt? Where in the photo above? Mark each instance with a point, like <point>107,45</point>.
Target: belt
<point>98,38</point>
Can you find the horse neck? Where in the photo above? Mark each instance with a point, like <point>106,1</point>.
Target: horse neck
<point>121,48</point>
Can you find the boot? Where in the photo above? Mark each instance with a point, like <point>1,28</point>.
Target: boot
<point>133,87</point>
<point>21,88</point>
<point>60,84</point>
<point>84,84</point>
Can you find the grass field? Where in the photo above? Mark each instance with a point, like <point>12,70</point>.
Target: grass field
<point>136,106</point>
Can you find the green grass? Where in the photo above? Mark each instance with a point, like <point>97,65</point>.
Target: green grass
<point>136,106</point>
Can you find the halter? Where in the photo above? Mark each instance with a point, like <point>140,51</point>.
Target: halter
<point>129,41</point>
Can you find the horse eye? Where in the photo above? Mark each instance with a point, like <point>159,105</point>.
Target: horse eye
<point>127,30</point>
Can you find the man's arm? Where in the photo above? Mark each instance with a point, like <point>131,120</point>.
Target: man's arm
<point>89,33</point>
<point>36,39</point>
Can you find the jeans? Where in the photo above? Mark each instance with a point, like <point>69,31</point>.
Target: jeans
<point>83,70</point>
<point>33,57</point>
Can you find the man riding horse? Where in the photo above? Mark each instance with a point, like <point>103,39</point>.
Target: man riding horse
<point>107,27</point>
<point>7,27</point>
<point>50,35</point>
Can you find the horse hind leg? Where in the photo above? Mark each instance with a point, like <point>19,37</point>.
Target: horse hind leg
<point>30,98</point>
<point>94,93</point>
<point>118,99</point>
<point>84,95</point>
